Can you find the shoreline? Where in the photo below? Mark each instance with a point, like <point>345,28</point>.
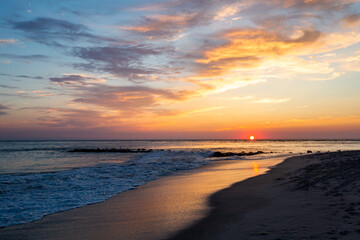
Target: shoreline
<point>155,210</point>
<point>312,196</point>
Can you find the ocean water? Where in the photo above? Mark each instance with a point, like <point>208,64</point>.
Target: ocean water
<point>42,177</point>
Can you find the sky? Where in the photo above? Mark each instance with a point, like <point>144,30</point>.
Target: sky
<point>180,69</point>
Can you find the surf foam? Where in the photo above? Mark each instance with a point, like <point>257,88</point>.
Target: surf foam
<point>28,197</point>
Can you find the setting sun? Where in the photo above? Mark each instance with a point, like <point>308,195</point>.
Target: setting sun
<point>252,138</point>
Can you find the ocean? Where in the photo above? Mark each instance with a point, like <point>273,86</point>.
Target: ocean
<point>38,178</point>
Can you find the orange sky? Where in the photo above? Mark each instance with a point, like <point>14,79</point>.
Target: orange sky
<point>180,69</point>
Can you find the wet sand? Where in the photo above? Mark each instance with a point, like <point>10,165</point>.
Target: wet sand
<point>156,210</point>
<point>309,197</point>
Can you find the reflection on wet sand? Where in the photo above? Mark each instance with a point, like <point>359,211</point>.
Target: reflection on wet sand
<point>155,210</point>
<point>256,168</point>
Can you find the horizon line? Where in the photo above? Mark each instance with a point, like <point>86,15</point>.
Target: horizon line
<point>196,139</point>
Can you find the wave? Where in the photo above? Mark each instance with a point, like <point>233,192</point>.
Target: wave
<point>28,197</point>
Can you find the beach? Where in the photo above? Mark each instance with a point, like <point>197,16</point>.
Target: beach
<point>156,210</point>
<point>313,196</point>
<point>308,197</point>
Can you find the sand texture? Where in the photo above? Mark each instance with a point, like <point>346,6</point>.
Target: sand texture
<point>308,197</point>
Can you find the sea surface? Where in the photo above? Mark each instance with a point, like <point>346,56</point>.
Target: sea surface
<point>38,178</point>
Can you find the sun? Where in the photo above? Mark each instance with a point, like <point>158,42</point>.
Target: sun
<point>252,138</point>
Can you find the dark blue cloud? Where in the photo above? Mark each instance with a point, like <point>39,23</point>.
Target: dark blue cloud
<point>2,109</point>
<point>35,57</point>
<point>7,86</point>
<point>71,80</point>
<point>53,32</point>
<point>21,76</point>
<point>122,61</point>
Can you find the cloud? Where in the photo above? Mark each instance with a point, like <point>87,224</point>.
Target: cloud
<point>75,119</point>
<point>20,94</point>
<point>6,61</point>
<point>7,41</point>
<point>76,79</point>
<point>239,56</point>
<point>228,11</point>
<point>351,20</point>
<point>50,31</point>
<point>31,77</point>
<point>130,100</point>
<point>155,7</point>
<point>27,58</point>
<point>253,44</point>
<point>272,39</point>
<point>269,100</point>
<point>204,110</point>
<point>3,109</point>
<point>325,5</point>
<point>21,76</point>
<point>70,118</point>
<point>166,26</point>
<point>123,61</point>
<point>241,98</point>
<point>42,93</point>
<point>7,86</point>
<point>276,47</point>
<point>351,63</point>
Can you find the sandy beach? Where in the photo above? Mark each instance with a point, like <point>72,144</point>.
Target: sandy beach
<point>307,197</point>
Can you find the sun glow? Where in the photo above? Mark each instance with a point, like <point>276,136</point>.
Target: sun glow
<point>252,138</point>
<point>256,168</point>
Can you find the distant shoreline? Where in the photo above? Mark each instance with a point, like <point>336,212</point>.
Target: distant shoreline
<point>189,139</point>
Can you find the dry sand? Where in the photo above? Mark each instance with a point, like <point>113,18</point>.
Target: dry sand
<point>310,197</point>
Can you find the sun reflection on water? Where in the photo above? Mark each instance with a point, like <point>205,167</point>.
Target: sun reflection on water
<point>256,168</point>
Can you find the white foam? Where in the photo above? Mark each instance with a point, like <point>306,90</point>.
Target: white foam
<point>29,197</point>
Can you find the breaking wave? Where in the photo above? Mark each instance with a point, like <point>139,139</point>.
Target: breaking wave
<point>28,197</point>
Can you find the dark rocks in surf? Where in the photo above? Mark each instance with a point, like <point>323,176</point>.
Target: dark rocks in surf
<point>101,150</point>
<point>228,154</point>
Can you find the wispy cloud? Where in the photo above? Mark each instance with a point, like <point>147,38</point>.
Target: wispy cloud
<point>270,100</point>
<point>7,86</point>
<point>25,58</point>
<point>3,109</point>
<point>241,98</point>
<point>166,26</point>
<point>53,32</point>
<point>7,41</point>
<point>351,19</point>
<point>21,76</point>
<point>204,110</point>
<point>70,118</point>
<point>20,94</point>
<point>131,99</point>
<point>42,93</point>
<point>122,61</point>
<point>76,79</point>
